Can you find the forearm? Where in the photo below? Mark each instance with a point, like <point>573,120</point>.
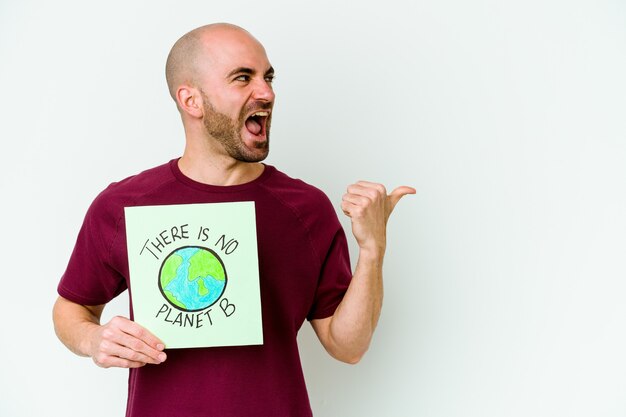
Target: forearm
<point>118,343</point>
<point>352,326</point>
<point>74,325</point>
<point>347,334</point>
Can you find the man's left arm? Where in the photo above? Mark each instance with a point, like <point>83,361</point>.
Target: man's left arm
<point>346,335</point>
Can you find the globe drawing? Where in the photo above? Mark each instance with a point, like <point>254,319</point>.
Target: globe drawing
<point>192,278</point>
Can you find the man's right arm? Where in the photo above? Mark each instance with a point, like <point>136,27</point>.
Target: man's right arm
<point>119,343</point>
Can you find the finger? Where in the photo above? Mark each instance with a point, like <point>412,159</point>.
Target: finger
<point>356,199</point>
<point>108,361</point>
<point>124,344</point>
<point>130,354</point>
<point>125,363</point>
<point>141,333</point>
<point>397,194</point>
<point>354,211</point>
<point>129,347</point>
<point>347,208</point>
<point>373,185</point>
<point>365,191</point>
<point>133,336</point>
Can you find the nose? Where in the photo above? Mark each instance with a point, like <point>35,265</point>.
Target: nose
<point>263,91</point>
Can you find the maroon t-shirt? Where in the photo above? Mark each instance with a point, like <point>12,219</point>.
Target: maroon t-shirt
<point>304,271</point>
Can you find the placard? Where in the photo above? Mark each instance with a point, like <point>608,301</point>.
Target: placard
<point>194,275</point>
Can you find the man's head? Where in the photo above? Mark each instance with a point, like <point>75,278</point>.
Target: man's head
<point>221,80</point>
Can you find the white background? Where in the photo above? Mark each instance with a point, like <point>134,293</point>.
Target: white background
<point>505,274</point>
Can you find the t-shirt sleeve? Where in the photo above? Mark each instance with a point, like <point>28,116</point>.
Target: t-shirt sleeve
<point>335,275</point>
<point>89,278</point>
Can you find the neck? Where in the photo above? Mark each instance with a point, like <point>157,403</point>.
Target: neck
<point>218,169</point>
<point>205,160</point>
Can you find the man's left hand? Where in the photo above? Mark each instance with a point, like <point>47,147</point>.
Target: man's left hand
<point>369,206</point>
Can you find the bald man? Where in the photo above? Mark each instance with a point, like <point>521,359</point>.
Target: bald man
<point>221,80</point>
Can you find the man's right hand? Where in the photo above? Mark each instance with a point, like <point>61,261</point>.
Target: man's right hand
<point>123,343</point>
<point>119,343</point>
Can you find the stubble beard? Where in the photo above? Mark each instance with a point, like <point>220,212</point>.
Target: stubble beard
<point>228,132</point>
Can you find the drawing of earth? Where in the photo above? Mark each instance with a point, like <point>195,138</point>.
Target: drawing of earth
<point>192,278</point>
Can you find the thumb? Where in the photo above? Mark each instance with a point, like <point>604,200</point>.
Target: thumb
<point>397,194</point>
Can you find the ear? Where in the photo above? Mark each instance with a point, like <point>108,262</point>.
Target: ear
<point>189,101</point>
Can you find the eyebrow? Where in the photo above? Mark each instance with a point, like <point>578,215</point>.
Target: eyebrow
<point>248,71</point>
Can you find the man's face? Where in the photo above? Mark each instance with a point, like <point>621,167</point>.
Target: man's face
<point>229,132</point>
<point>238,98</point>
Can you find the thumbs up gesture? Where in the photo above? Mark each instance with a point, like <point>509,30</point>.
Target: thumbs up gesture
<point>369,206</point>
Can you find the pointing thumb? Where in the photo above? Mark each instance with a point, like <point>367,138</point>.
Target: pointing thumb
<point>397,194</point>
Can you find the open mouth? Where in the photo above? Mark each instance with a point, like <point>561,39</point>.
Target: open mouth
<point>256,123</point>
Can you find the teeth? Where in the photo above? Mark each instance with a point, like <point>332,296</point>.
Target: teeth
<point>261,113</point>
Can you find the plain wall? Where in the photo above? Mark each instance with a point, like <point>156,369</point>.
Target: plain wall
<point>504,275</point>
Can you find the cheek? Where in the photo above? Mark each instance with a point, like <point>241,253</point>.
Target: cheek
<point>228,102</point>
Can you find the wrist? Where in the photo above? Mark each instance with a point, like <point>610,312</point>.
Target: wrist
<point>88,334</point>
<point>374,253</point>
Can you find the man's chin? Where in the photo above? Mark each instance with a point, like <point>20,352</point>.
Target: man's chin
<point>257,153</point>
<point>254,148</point>
<point>258,157</point>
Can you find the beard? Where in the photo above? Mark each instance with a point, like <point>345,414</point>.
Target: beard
<point>228,131</point>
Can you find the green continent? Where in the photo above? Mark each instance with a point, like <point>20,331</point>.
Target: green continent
<point>204,263</point>
<point>173,299</point>
<point>202,289</point>
<point>168,272</point>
